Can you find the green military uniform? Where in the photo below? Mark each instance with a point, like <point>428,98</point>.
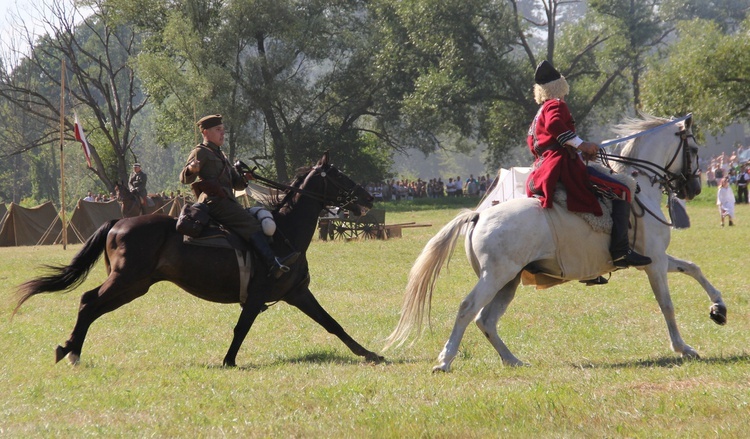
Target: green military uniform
<point>138,182</point>
<point>214,186</point>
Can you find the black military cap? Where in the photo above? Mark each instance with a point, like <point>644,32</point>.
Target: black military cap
<point>209,121</point>
<point>545,73</point>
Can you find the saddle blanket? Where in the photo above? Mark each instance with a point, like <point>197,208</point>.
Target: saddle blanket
<point>241,250</point>
<point>581,243</point>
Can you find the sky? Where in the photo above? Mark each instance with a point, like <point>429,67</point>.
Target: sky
<point>29,11</point>
<point>25,8</point>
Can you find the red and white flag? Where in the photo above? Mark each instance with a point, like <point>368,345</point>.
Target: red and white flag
<point>81,137</point>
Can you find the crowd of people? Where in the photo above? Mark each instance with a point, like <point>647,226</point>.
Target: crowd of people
<point>106,198</point>
<point>734,166</point>
<point>406,189</point>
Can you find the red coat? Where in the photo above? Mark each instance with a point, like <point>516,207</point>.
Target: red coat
<point>552,127</point>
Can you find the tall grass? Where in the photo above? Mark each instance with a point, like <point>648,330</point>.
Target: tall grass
<point>601,363</point>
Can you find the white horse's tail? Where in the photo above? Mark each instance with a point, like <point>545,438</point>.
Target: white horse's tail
<point>424,274</point>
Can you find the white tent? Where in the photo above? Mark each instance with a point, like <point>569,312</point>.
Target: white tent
<point>509,184</point>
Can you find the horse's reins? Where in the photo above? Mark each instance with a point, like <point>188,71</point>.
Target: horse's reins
<point>348,196</point>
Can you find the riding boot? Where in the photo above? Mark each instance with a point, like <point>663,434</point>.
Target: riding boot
<point>622,255</point>
<point>276,266</point>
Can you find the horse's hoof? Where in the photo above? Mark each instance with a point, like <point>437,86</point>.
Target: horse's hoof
<point>60,353</point>
<point>74,359</point>
<point>718,314</point>
<point>372,357</point>
<point>439,369</point>
<point>691,354</point>
<point>229,364</point>
<point>518,364</point>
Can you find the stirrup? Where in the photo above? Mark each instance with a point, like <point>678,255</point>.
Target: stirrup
<point>599,280</point>
<point>281,265</point>
<point>277,270</point>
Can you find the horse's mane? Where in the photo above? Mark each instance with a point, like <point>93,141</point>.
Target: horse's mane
<point>632,125</point>
<point>280,199</point>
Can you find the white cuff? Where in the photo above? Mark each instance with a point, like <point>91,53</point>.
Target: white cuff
<point>575,142</point>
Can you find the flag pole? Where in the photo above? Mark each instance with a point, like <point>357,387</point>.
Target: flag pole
<point>62,156</point>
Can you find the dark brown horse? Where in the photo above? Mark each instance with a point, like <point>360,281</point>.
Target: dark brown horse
<point>141,251</point>
<point>130,202</point>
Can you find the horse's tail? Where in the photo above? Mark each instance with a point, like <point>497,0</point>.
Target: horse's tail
<point>424,274</point>
<point>66,278</point>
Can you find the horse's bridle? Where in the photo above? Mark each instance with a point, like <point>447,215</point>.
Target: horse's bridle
<point>669,181</point>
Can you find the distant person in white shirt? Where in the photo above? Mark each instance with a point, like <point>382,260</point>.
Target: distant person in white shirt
<point>725,201</point>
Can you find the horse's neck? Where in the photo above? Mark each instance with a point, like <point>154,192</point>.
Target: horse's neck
<point>299,222</point>
<point>131,211</point>
<point>648,190</point>
<point>131,207</point>
<point>658,149</point>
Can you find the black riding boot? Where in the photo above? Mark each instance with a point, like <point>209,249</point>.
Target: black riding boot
<point>276,266</point>
<point>619,247</point>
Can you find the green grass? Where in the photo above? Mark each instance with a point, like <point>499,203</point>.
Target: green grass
<point>601,363</point>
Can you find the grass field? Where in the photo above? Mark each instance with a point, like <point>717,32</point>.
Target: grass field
<point>600,360</point>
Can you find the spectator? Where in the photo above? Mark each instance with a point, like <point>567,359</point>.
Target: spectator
<point>725,201</point>
<point>450,187</point>
<point>742,180</point>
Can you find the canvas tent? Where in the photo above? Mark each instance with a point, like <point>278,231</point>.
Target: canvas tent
<point>87,217</point>
<point>3,214</point>
<point>508,184</point>
<point>35,226</point>
<point>175,206</point>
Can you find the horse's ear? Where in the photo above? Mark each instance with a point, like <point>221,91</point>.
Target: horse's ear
<point>324,160</point>
<point>688,121</point>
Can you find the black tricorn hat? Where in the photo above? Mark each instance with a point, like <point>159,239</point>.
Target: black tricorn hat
<point>210,121</point>
<point>545,73</point>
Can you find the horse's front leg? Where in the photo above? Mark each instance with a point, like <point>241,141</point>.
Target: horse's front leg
<point>657,277</point>
<point>304,300</point>
<point>249,312</point>
<point>717,310</point>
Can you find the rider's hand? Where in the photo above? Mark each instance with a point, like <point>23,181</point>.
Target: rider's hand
<point>194,166</point>
<point>588,150</point>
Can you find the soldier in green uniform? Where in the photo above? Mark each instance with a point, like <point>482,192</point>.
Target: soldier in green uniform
<point>214,179</point>
<point>137,184</point>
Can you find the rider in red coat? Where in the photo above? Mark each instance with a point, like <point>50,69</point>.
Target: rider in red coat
<point>559,158</point>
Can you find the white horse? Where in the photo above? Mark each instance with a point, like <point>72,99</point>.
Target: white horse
<point>518,237</point>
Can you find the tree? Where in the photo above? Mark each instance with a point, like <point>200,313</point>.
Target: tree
<point>636,29</point>
<point>101,86</point>
<point>289,77</point>
<point>706,72</point>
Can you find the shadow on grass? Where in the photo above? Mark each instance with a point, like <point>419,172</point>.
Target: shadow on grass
<point>319,357</point>
<point>670,361</point>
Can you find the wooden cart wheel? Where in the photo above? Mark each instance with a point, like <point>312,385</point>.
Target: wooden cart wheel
<point>369,231</point>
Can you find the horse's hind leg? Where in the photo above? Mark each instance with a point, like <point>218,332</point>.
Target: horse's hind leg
<point>480,295</point>
<point>490,315</point>
<point>112,294</point>
<point>718,310</point>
